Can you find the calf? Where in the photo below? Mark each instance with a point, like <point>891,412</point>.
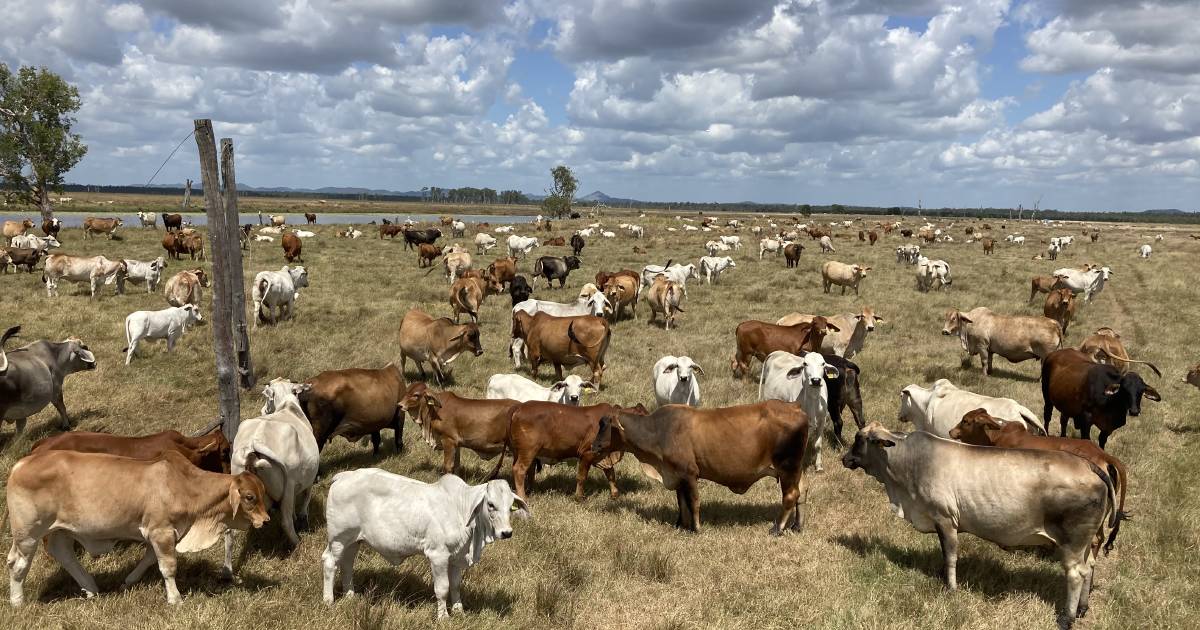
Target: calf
<point>139,272</point>
<point>356,403</point>
<point>169,323</point>
<point>1060,307</point>
<point>209,451</point>
<point>292,247</point>
<point>569,341</point>
<point>675,381</point>
<point>436,341</point>
<point>1090,394</point>
<point>555,268</point>
<point>390,231</point>
<point>467,295</point>
<point>664,296</point>
<point>989,245</point>
<point>1014,498</point>
<point>758,339</point>
<point>426,254</point>
<point>843,275</point>
<point>186,287</point>
<point>451,422</point>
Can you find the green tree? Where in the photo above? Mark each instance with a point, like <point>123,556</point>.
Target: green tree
<point>837,208</point>
<point>37,147</point>
<point>562,195</point>
<point>806,210</point>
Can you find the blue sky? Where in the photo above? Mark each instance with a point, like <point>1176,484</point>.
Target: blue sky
<point>1091,104</point>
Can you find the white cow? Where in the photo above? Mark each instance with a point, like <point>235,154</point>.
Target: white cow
<point>607,234</point>
<point>790,378</point>
<point>279,448</point>
<point>277,289</point>
<point>675,273</point>
<point>568,391</point>
<point>1144,251</point>
<point>40,243</point>
<point>148,219</point>
<point>263,238</point>
<point>270,230</point>
<point>692,228</point>
<point>826,245</point>
<point>503,229</point>
<point>1090,283</point>
<point>94,270</point>
<point>304,233</point>
<point>772,245</point>
<point>711,267</point>
<point>138,272</point>
<point>941,407</point>
<point>170,323</point>
<point>637,231</point>
<point>447,521</point>
<point>484,242</point>
<point>586,233</point>
<point>675,381</point>
<point>458,228</point>
<point>712,247</point>
<point>520,246</point>
<point>933,274</point>
<point>732,241</point>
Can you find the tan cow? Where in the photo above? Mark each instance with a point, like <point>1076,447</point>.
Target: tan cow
<point>842,275</point>
<point>16,228</point>
<point>278,220</point>
<point>107,226</point>
<point>663,296</point>
<point>1060,306</point>
<point>569,341</point>
<point>1041,284</point>
<point>436,341</point>
<point>454,263</point>
<point>851,334</point>
<point>98,500</point>
<point>1105,346</point>
<point>467,295</point>
<point>94,270</point>
<point>1015,337</point>
<point>621,291</point>
<point>185,287</point>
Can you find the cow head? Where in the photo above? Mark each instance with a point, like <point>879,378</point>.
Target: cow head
<point>573,262</point>
<point>468,338</point>
<point>570,390</point>
<point>955,319</point>
<point>201,276</point>
<point>599,305</point>
<point>191,313</point>
<point>247,499</point>
<point>859,271</point>
<point>1193,376</point>
<point>1131,389</point>
<point>972,429</point>
<point>914,400</point>
<point>299,277</point>
<point>493,513</point>
<point>869,450</point>
<point>77,357</point>
<point>813,370</point>
<point>280,392</point>
<point>869,318</point>
<point>609,435</point>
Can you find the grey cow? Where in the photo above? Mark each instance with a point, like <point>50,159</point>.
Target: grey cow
<point>31,377</point>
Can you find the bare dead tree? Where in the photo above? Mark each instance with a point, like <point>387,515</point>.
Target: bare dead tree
<point>187,196</point>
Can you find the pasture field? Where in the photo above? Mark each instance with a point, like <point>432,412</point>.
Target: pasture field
<point>606,563</point>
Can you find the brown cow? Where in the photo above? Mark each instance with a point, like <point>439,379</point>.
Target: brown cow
<point>98,499</point>
<point>467,295</point>
<point>621,291</point>
<point>1104,346</point>
<point>602,277</point>
<point>426,254</point>
<point>1041,284</point>
<point>981,429</point>
<point>568,341</point>
<point>185,287</point>
<point>310,218</point>
<point>759,339</point>
<point>872,236</point>
<point>550,432</point>
<point>51,227</point>
<point>557,241</point>
<point>190,243</point>
<point>452,422</point>
<point>208,452</point>
<point>989,245</point>
<point>354,403</point>
<point>173,222</point>
<point>862,236</point>
<point>1193,376</point>
<point>16,228</point>
<point>390,230</point>
<point>791,254</point>
<point>1060,306</point>
<point>23,256</point>
<point>503,270</point>
<point>107,226</point>
<point>1090,394</point>
<point>292,247</point>
<point>437,341</point>
<point>732,446</point>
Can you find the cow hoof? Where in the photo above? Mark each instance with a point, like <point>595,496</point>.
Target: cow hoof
<point>1082,611</point>
<point>1065,621</point>
<point>776,531</point>
<point>302,522</point>
<point>456,609</point>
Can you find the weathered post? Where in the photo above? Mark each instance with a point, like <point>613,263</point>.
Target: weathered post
<point>226,280</point>
<point>229,191</point>
<point>187,196</point>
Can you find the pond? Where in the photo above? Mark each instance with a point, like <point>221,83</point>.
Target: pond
<point>75,219</point>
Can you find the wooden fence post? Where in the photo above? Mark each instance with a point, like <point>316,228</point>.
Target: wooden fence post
<point>187,196</point>
<point>226,280</point>
<point>234,255</point>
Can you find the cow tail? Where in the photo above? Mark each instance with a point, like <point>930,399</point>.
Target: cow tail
<point>537,268</point>
<point>1119,514</point>
<point>461,296</point>
<point>263,285</point>
<point>504,447</point>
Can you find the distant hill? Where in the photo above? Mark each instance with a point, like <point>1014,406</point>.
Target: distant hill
<point>598,197</point>
<point>1167,211</point>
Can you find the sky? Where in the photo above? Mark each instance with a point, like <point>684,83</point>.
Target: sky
<point>1086,104</point>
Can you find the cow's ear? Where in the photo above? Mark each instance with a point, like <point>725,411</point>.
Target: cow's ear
<point>1152,394</point>
<point>885,443</point>
<point>879,318</point>
<point>964,319</point>
<point>832,373</point>
<point>795,372</point>
<point>433,403</point>
<point>670,368</point>
<point>832,327</point>
<point>588,386</point>
<point>1112,389</point>
<point>235,497</point>
<point>696,367</point>
<point>559,385</point>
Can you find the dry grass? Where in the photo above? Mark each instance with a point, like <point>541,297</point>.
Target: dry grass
<point>619,563</point>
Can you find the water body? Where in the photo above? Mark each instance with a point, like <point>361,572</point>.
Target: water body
<point>75,219</point>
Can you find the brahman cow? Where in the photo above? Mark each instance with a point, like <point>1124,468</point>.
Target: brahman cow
<point>1090,394</point>
<point>938,409</point>
<point>1090,283</point>
<point>107,226</point>
<point>40,243</point>
<point>1104,346</point>
<point>1012,497</point>
<point>1060,306</point>
<point>731,446</point>
<point>555,268</point>
<point>455,264</point>
<point>758,339</point>
<point>503,269</point>
<point>851,332</point>
<point>675,381</point>
<point>519,290</point>
<point>568,391</point>
<point>447,521</point>
<point>1015,337</point>
<point>520,246</point>
<point>186,287</point>
<point>1041,284</point>
<point>355,403</point>
<point>577,244</point>
<point>16,228</point>
<point>931,273</point>
<point>390,231</point>
<point>139,272</point>
<point>562,341</point>
<point>770,245</point>
<point>801,379</point>
<point>94,270</point>
<point>664,296</point>
<point>98,500</point>
<point>31,377</point>
<point>712,267</point>
<point>676,273</point>
<point>292,247</point>
<point>279,448</point>
<point>981,429</point>
<point>451,422</point>
<point>208,451</point>
<point>621,292</point>
<point>842,275</point>
<point>277,290</point>
<point>148,220</point>
<point>1144,251</point>
<point>467,295</point>
<point>826,245</point>
<point>169,323</point>
<point>436,341</point>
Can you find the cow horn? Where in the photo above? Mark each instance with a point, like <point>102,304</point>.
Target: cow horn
<point>208,428</point>
<point>1151,365</point>
<point>11,332</point>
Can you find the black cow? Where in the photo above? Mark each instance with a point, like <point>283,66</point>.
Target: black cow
<point>172,222</point>
<point>519,289</point>
<point>24,256</point>
<point>577,244</point>
<point>844,392</point>
<point>555,268</point>
<point>418,237</point>
<point>1090,394</point>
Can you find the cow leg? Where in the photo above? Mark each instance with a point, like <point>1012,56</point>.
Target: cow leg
<point>948,536</point>
<point>610,473</point>
<point>376,440</point>
<point>143,565</point>
<point>62,548</point>
<point>456,575</point>
<point>988,371</point>
<point>287,512</point>
<point>1085,430</point>
<point>439,566</point>
<point>163,543</point>
<point>171,337</point>
<point>20,557</point>
<point>558,371</point>
<point>1047,412</point>
<point>132,347</point>
<point>519,469</point>
<point>1075,572</point>
<point>302,515</point>
<point>1085,593</point>
<point>693,498</point>
<point>789,515</point>
<point>61,407</point>
<point>585,464</point>
<point>227,567</point>
<point>681,502</point>
<point>449,463</point>
<point>338,555</point>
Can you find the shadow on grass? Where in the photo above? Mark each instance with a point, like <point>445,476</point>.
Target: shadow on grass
<point>412,591</point>
<point>1180,429</point>
<point>981,575</point>
<point>192,576</point>
<point>712,513</point>
<point>560,478</point>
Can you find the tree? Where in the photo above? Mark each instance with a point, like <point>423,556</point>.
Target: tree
<point>37,147</point>
<point>562,195</point>
<point>806,210</point>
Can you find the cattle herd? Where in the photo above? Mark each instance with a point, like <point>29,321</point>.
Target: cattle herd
<point>973,463</point>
